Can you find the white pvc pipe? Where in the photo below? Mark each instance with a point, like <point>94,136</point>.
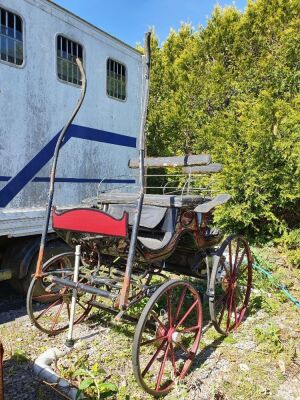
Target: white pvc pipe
<point>42,368</point>
<point>70,340</point>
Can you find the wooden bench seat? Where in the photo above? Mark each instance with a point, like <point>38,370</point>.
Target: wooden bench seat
<point>161,200</point>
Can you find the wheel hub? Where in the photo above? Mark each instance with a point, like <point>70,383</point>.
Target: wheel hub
<point>176,337</point>
<point>229,283</point>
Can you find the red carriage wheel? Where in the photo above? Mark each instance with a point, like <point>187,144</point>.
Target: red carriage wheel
<point>167,336</point>
<point>48,304</point>
<point>230,284</point>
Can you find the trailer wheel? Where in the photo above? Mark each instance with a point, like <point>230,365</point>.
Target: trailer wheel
<point>53,248</point>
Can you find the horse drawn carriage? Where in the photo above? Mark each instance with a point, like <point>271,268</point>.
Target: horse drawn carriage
<point>130,250</point>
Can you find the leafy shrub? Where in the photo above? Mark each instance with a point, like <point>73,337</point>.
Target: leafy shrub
<point>232,89</point>
<point>290,242</point>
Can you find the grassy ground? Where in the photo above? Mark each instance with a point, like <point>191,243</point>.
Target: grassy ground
<point>260,360</point>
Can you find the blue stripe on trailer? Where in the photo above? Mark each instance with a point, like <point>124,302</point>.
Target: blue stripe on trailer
<point>73,180</point>
<point>83,180</point>
<point>17,183</point>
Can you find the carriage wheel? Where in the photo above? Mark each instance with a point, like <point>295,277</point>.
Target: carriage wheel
<point>167,336</point>
<point>230,284</point>
<point>49,309</point>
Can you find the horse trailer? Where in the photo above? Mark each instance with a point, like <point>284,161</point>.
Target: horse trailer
<point>39,86</point>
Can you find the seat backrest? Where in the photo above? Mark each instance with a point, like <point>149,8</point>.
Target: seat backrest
<point>90,220</point>
<point>151,215</point>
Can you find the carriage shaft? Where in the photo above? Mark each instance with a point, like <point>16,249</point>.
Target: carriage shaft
<point>82,287</point>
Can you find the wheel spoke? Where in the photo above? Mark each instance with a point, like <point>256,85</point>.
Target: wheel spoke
<point>162,367</point>
<point>47,309</point>
<point>56,316</point>
<point>81,305</point>
<point>229,311</point>
<point>187,313</point>
<point>235,312</point>
<point>154,340</point>
<point>236,256</point>
<point>169,305</point>
<point>191,329</point>
<point>173,358</point>
<point>45,298</point>
<point>153,357</point>
<point>158,321</point>
<point>230,257</point>
<point>244,269</point>
<point>240,262</point>
<point>181,299</point>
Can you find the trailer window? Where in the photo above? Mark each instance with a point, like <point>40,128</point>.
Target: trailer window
<point>11,37</point>
<point>116,79</point>
<point>67,52</point>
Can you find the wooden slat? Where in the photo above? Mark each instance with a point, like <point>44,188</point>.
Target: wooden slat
<point>204,169</point>
<point>182,161</point>
<point>151,199</point>
<point>215,202</point>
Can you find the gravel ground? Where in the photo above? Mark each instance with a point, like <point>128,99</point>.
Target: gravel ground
<point>259,361</point>
<point>19,381</point>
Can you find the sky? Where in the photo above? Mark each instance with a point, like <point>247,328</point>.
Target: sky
<point>128,20</point>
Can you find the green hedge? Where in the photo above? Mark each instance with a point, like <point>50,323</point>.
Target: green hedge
<point>232,89</point>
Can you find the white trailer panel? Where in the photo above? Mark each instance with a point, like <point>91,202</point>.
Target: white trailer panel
<point>35,105</point>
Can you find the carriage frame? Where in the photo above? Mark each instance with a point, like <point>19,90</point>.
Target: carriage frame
<point>131,248</point>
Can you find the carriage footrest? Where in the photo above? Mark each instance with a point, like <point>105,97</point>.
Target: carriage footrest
<point>83,287</point>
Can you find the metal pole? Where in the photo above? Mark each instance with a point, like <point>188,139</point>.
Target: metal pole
<point>60,139</point>
<point>132,248</point>
<point>70,340</point>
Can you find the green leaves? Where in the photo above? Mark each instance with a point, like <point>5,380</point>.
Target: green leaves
<point>233,89</point>
<point>86,383</point>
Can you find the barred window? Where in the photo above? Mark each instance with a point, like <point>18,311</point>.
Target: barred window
<point>67,52</point>
<point>116,79</point>
<point>11,37</point>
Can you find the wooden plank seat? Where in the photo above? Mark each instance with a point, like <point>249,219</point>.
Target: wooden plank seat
<point>213,203</point>
<point>203,169</point>
<point>181,161</point>
<point>159,200</point>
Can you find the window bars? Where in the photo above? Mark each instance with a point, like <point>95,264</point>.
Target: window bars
<point>67,52</point>
<point>116,80</point>
<point>11,38</point>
